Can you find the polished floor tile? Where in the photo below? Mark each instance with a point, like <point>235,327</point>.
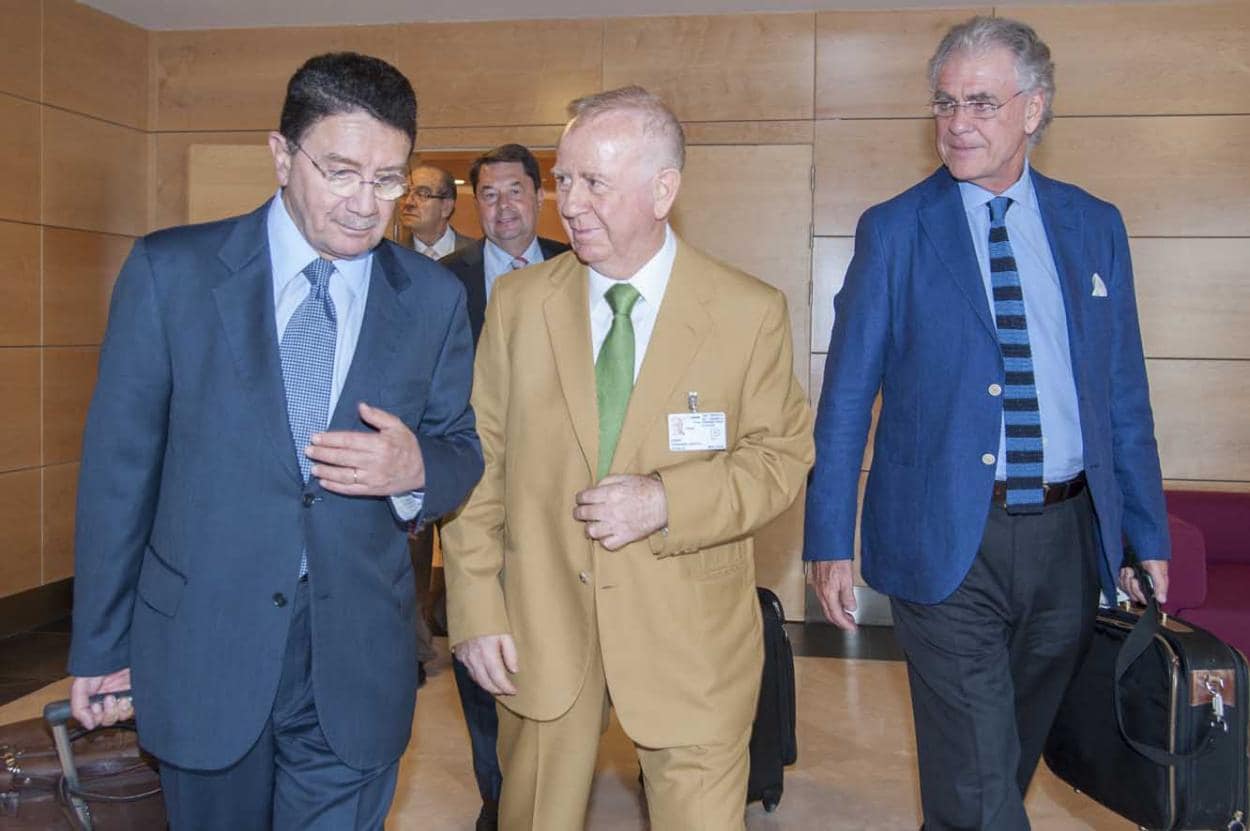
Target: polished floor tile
<point>856,768</point>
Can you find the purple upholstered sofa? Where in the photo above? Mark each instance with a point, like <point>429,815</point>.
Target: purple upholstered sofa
<point>1210,571</point>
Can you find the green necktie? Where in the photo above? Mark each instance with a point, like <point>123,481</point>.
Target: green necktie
<point>614,371</point>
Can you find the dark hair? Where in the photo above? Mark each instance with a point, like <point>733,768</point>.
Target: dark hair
<point>344,82</point>
<point>507,153</point>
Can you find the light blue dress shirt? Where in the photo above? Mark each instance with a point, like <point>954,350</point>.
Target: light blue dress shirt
<point>289,255</point>
<point>496,262</point>
<point>1062,447</point>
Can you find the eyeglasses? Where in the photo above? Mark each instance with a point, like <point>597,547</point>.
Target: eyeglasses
<point>346,183</point>
<point>945,107</point>
<point>425,194</point>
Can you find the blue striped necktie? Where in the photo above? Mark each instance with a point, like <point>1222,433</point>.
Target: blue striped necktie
<point>307,348</point>
<point>1021,418</point>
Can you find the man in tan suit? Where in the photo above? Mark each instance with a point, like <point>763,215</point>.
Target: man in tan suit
<point>640,420</point>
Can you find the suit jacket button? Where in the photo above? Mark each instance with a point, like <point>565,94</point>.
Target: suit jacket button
<point>584,577</point>
<point>995,390</point>
<point>279,599</point>
<point>988,459</point>
<point>309,499</point>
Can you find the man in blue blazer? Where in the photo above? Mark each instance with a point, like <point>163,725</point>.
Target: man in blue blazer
<point>279,394</point>
<point>993,310</point>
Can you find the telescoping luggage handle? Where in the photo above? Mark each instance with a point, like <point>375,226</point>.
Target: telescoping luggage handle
<point>1134,646</point>
<point>57,715</point>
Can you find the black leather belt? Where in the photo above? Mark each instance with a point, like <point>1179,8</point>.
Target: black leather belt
<point>1052,492</point>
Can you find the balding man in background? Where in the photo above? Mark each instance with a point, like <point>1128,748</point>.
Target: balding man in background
<point>640,420</point>
<point>426,212</point>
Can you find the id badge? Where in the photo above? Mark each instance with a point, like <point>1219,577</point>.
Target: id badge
<point>696,431</point>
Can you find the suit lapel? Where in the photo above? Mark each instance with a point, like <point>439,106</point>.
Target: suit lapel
<point>944,223</point>
<point>475,286</point>
<point>1066,238</point>
<point>680,330</point>
<point>566,312</point>
<point>380,331</point>
<point>245,305</point>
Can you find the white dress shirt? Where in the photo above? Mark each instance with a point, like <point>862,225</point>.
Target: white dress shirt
<point>651,281</point>
<point>442,246</point>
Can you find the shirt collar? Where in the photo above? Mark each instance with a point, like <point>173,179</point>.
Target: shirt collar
<point>447,240</point>
<point>290,253</point>
<point>1021,192</point>
<point>502,260</point>
<point>651,280</point>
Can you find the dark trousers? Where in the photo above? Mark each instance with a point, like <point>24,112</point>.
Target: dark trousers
<point>988,666</point>
<point>483,724</point>
<point>421,550</point>
<point>290,779</point>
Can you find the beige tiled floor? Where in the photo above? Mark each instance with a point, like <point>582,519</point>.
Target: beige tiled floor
<point>856,769</point>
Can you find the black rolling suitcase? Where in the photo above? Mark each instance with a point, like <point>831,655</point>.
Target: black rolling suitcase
<point>773,744</point>
<point>1153,725</point>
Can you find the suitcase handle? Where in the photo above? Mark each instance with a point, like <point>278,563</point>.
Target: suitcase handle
<point>58,712</point>
<point>1134,646</point>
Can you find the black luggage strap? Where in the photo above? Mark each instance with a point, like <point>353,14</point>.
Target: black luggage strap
<point>1134,646</point>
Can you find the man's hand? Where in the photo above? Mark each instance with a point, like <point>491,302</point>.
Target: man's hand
<point>381,463</point>
<point>1158,572</point>
<point>489,659</point>
<point>834,583</point>
<point>621,509</point>
<point>103,713</point>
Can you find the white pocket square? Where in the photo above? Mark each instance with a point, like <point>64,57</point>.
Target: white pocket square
<point>1100,288</point>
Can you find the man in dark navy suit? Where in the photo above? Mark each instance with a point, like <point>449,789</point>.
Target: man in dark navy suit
<point>993,310</point>
<point>279,395</point>
<point>507,186</point>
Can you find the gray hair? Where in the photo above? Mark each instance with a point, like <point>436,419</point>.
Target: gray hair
<point>659,125</point>
<point>1035,71</point>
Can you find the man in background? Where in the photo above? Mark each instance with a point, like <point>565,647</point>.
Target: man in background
<point>993,310</point>
<point>641,420</point>
<point>279,395</point>
<point>508,188</point>
<point>426,212</point>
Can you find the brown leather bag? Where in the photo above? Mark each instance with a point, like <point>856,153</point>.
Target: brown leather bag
<point>117,786</point>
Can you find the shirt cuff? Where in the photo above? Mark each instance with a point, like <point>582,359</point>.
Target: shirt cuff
<point>408,505</point>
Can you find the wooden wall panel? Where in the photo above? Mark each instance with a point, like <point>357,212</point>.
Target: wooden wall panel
<point>226,180</point>
<point>19,284</point>
<point>78,274</point>
<point>1200,418</point>
<point>1193,296</point>
<point>1129,59</point>
<point>488,74</point>
<point>717,68</point>
<point>19,163</point>
<point>171,166</point>
<point>861,163</point>
<point>21,48</point>
<point>19,516</point>
<point>60,490</point>
<point>830,257</point>
<point>733,197</point>
<point>1183,176</point>
<point>873,64</point>
<point>484,138</point>
<point>749,132</point>
<point>235,79</point>
<point>95,174</point>
<point>19,418</point>
<point>94,63</point>
<point>68,380</point>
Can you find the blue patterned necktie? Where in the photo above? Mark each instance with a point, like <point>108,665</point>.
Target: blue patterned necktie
<point>1021,418</point>
<point>308,365</point>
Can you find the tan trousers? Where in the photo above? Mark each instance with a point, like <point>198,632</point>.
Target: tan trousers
<point>548,767</point>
